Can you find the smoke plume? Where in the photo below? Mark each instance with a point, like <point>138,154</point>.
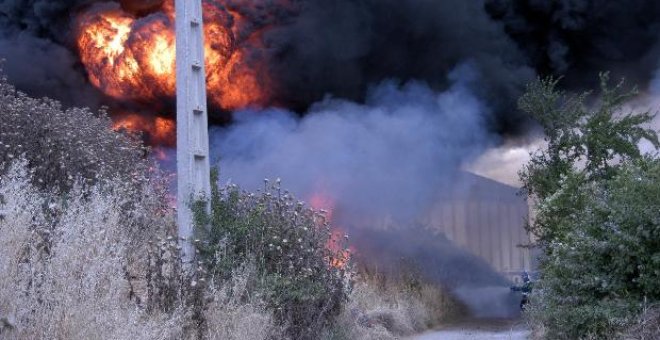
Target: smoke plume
<point>389,156</point>
<point>312,48</point>
<point>34,42</point>
<point>579,38</point>
<point>378,167</point>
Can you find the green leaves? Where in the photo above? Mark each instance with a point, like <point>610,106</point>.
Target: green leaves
<point>598,217</point>
<point>587,141</point>
<point>607,262</point>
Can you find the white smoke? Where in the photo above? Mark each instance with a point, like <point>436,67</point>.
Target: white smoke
<point>654,106</point>
<point>390,155</point>
<point>648,100</point>
<point>503,162</point>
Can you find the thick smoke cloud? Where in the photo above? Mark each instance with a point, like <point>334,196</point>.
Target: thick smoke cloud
<point>342,47</point>
<point>45,18</point>
<point>34,43</point>
<point>387,157</point>
<point>312,48</point>
<point>579,38</point>
<point>45,69</point>
<point>378,167</point>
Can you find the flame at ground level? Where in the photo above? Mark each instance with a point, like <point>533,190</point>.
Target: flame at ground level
<point>338,241</point>
<point>133,58</point>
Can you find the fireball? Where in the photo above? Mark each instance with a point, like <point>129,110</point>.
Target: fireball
<point>133,59</point>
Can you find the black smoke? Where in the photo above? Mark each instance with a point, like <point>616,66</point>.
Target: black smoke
<point>579,38</point>
<point>342,47</point>
<point>315,48</point>
<point>36,45</point>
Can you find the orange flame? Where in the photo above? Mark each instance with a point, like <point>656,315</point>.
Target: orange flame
<point>336,243</point>
<point>133,59</point>
<point>158,130</point>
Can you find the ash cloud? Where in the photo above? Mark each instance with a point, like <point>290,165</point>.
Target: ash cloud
<point>46,69</point>
<point>342,47</point>
<point>43,18</point>
<point>312,48</point>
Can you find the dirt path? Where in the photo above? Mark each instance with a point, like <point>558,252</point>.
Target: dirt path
<point>478,330</point>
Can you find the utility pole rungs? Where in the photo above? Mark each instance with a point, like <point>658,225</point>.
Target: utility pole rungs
<point>193,168</point>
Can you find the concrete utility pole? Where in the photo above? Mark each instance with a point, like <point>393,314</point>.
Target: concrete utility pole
<point>192,151</point>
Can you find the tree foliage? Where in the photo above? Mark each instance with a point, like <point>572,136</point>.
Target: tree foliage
<point>598,213</point>
<point>606,267</point>
<point>584,142</point>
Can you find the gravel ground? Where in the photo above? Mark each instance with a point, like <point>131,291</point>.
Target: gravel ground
<point>478,330</point>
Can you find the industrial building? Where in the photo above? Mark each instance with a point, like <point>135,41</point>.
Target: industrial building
<point>486,218</point>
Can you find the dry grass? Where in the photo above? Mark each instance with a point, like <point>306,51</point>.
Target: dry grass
<point>64,271</point>
<point>236,314</point>
<point>91,266</point>
<point>62,267</point>
<point>379,308</point>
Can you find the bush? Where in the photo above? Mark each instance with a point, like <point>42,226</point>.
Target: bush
<point>647,325</point>
<point>302,278</point>
<point>584,144</point>
<point>597,218</point>
<point>63,146</point>
<point>595,280</point>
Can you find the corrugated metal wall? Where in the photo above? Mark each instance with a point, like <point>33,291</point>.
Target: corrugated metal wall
<point>486,218</point>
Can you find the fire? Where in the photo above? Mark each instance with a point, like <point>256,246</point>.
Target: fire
<point>337,242</point>
<point>158,130</point>
<point>132,58</point>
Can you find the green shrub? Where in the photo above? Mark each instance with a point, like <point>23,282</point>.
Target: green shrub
<point>585,143</point>
<point>595,280</point>
<point>598,219</point>
<point>291,248</point>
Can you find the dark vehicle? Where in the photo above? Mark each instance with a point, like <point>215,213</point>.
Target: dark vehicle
<point>525,288</point>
